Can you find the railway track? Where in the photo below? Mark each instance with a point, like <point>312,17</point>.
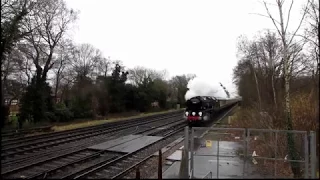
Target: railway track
<point>73,162</point>
<point>115,168</point>
<point>13,134</point>
<point>17,141</point>
<point>78,145</point>
<point>13,152</point>
<point>88,163</point>
<point>127,174</point>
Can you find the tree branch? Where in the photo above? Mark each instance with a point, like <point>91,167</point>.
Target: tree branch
<point>285,30</point>
<point>273,20</point>
<point>264,16</point>
<point>295,32</point>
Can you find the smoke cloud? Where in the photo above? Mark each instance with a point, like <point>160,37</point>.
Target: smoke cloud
<point>202,87</point>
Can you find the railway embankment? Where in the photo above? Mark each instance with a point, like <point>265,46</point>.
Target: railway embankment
<point>88,123</point>
<point>269,145</point>
<point>57,127</point>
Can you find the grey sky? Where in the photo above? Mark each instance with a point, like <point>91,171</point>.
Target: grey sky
<point>181,36</point>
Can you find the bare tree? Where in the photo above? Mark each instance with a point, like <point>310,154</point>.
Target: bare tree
<point>104,67</point>
<point>287,40</point>
<point>139,74</point>
<point>270,48</point>
<point>49,21</point>
<point>26,66</point>
<point>312,20</point>
<point>85,60</point>
<point>63,58</point>
<point>312,37</point>
<point>249,51</point>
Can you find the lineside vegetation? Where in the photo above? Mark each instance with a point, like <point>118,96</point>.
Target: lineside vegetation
<point>278,78</point>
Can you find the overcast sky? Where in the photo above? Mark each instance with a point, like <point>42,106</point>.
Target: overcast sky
<point>181,36</point>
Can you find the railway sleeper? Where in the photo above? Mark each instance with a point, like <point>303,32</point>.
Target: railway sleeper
<point>51,165</point>
<point>116,167</point>
<point>97,174</point>
<point>59,171</point>
<point>126,161</point>
<point>60,162</point>
<point>65,161</point>
<point>70,158</point>
<point>41,169</point>
<point>27,153</point>
<point>76,165</point>
<point>130,159</point>
<point>106,171</point>
<point>77,156</point>
<point>83,154</point>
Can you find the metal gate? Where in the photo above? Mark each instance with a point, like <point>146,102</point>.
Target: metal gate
<point>249,153</point>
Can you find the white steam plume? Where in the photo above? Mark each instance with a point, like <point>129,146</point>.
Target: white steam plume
<point>201,87</point>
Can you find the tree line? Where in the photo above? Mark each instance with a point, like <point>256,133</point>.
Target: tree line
<point>277,76</point>
<point>58,80</point>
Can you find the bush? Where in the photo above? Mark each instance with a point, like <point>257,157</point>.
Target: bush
<point>81,107</point>
<point>62,113</point>
<point>13,119</point>
<point>50,116</point>
<point>304,109</point>
<point>304,117</point>
<point>4,114</point>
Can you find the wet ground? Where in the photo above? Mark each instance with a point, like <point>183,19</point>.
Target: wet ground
<point>213,162</point>
<point>206,161</point>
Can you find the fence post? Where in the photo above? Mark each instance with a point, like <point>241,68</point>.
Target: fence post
<point>306,156</point>
<point>246,137</point>
<point>184,165</point>
<point>137,173</point>
<point>160,165</point>
<point>275,154</point>
<point>218,159</point>
<point>186,148</point>
<point>313,151</point>
<point>192,153</point>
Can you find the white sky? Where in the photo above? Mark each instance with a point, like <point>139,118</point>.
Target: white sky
<point>182,36</point>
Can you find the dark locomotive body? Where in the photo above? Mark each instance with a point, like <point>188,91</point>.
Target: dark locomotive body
<point>200,109</point>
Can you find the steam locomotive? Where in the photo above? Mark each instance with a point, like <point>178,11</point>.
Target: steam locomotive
<point>200,109</point>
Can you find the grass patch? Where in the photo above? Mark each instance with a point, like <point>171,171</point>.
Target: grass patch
<point>88,123</point>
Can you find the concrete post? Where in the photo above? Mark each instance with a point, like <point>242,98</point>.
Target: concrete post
<point>160,165</point>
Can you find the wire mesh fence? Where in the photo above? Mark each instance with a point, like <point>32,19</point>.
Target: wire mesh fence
<point>252,153</point>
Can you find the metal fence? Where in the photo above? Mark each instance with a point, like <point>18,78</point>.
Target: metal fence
<point>250,153</point>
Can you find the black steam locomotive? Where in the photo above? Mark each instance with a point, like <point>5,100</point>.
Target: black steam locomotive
<point>200,109</point>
